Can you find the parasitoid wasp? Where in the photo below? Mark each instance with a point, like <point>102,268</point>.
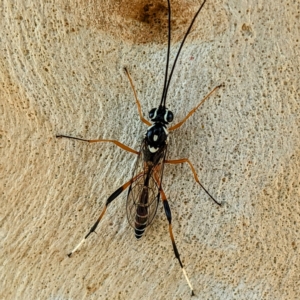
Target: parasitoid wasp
<point>145,186</point>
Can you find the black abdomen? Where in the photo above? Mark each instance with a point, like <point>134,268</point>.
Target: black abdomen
<point>141,217</point>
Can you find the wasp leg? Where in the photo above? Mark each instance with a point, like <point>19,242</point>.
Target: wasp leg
<point>137,100</point>
<point>122,146</point>
<point>112,197</point>
<point>185,160</point>
<point>194,109</point>
<point>169,217</point>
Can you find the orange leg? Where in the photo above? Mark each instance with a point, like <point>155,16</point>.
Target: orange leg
<point>137,100</point>
<point>122,146</point>
<point>169,217</point>
<point>193,110</point>
<point>185,160</point>
<point>112,197</point>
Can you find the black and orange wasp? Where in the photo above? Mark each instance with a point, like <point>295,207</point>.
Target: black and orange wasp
<point>145,186</point>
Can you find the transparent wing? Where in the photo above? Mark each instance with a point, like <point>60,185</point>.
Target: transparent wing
<point>143,194</point>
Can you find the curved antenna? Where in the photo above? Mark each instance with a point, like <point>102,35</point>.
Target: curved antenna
<point>168,54</point>
<point>179,50</point>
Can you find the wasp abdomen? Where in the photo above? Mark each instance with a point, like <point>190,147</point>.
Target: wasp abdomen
<point>141,221</point>
<point>141,217</point>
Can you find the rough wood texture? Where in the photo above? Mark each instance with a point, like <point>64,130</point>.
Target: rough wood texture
<point>61,68</point>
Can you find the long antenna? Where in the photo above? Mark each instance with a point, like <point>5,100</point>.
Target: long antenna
<point>179,50</point>
<point>168,54</point>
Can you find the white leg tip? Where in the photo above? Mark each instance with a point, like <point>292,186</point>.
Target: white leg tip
<point>187,279</point>
<point>81,242</point>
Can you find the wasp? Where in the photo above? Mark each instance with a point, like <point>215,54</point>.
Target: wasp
<point>145,186</point>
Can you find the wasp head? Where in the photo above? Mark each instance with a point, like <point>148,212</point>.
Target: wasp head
<point>161,115</point>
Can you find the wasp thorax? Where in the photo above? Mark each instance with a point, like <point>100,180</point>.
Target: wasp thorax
<point>156,136</point>
<point>161,114</point>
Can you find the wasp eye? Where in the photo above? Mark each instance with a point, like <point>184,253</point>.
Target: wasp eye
<point>152,113</point>
<point>170,116</point>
